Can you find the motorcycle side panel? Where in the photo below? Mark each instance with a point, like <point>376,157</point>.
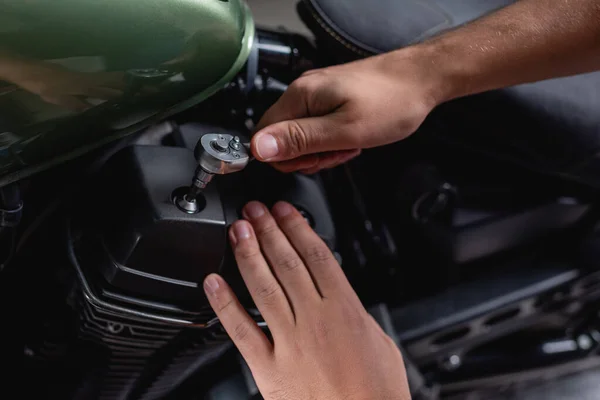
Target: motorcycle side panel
<point>76,74</point>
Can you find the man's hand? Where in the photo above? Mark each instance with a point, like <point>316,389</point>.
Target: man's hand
<point>327,116</point>
<point>324,343</point>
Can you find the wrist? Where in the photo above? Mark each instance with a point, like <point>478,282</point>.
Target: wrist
<point>431,69</point>
<point>448,79</point>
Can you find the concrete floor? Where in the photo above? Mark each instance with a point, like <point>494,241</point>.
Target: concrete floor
<point>584,386</point>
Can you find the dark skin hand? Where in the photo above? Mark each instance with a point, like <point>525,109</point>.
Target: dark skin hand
<point>324,343</point>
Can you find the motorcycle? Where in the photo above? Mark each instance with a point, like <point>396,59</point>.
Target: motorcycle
<point>124,161</point>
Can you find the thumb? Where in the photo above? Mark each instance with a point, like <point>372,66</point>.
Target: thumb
<point>288,140</point>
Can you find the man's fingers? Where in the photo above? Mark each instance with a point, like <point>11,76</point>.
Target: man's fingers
<point>291,139</point>
<point>245,333</point>
<point>304,121</point>
<point>340,158</point>
<point>300,163</point>
<point>349,155</point>
<point>331,161</point>
<point>325,270</point>
<point>292,104</point>
<point>266,292</point>
<point>282,257</point>
<point>316,162</point>
<point>296,101</point>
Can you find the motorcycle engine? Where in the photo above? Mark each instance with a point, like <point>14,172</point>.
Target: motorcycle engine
<point>101,295</point>
<point>136,322</point>
<point>107,277</point>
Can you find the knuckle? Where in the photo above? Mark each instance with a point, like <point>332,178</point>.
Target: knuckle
<point>318,72</point>
<point>299,89</point>
<point>304,83</point>
<point>241,331</point>
<point>226,305</point>
<point>299,85</point>
<point>246,252</point>
<point>268,293</point>
<point>308,73</point>
<point>318,254</point>
<point>266,229</point>
<point>289,262</point>
<point>295,222</point>
<point>297,138</point>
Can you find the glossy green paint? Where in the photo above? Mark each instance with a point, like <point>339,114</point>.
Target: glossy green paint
<point>77,74</point>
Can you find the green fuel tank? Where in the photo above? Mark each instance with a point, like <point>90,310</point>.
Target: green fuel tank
<point>77,74</point>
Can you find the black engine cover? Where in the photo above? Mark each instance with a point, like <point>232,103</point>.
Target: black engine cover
<point>142,247</point>
<point>151,247</point>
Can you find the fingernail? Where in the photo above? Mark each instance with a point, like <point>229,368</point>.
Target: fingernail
<point>255,210</point>
<point>211,285</point>
<point>241,231</point>
<point>282,209</point>
<point>267,147</point>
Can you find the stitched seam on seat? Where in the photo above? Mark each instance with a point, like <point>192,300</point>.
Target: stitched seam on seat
<point>329,30</point>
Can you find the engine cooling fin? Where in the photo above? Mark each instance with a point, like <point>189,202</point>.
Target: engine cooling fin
<point>140,358</point>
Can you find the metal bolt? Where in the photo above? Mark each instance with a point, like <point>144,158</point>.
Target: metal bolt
<point>235,143</point>
<point>220,145</point>
<point>236,155</point>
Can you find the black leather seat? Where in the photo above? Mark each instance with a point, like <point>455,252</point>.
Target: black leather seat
<point>551,126</point>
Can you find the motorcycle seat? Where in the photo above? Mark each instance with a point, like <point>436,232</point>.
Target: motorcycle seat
<point>551,126</point>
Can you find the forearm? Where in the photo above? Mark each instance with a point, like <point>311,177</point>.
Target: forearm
<point>529,41</point>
